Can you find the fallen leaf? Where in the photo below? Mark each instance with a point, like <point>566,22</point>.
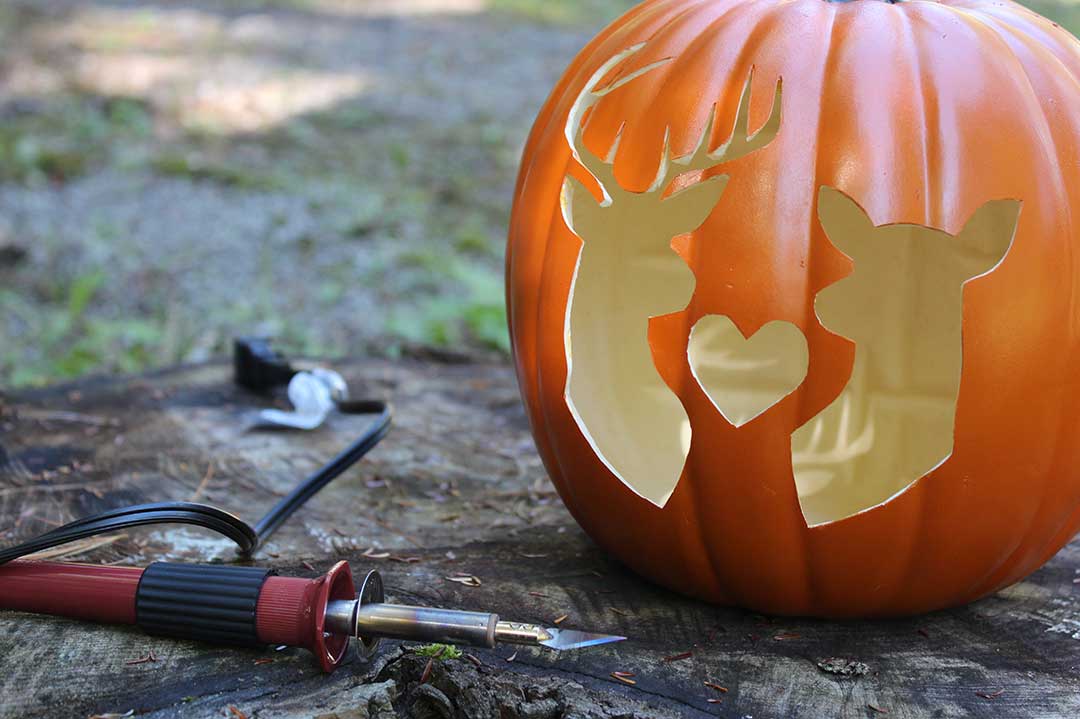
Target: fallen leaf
<point>142,660</point>
<point>678,657</point>
<point>80,546</point>
<point>374,554</point>
<point>467,579</point>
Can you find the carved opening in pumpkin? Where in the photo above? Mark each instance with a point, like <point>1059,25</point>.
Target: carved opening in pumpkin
<point>902,307</point>
<point>628,272</point>
<point>745,376</point>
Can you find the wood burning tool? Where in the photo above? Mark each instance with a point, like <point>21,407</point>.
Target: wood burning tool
<point>248,606</point>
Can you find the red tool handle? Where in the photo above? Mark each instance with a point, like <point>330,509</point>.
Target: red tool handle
<point>214,603</point>
<point>81,591</point>
<point>293,612</point>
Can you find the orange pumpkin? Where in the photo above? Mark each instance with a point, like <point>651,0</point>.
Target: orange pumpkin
<point>792,288</point>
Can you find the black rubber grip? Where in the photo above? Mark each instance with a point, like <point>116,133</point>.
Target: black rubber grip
<point>206,603</point>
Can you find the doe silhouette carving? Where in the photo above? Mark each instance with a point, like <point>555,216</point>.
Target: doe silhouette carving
<point>902,307</point>
<point>628,272</point>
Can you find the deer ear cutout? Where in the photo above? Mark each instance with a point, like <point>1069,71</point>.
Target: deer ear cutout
<point>691,206</point>
<point>845,222</point>
<point>580,210</point>
<point>989,232</point>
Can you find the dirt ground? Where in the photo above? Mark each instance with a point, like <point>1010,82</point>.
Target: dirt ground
<point>334,172</point>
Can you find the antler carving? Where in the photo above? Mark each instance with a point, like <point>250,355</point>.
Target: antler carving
<point>740,142</point>
<point>601,169</point>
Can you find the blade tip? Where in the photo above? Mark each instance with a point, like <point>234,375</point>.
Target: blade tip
<point>585,640</point>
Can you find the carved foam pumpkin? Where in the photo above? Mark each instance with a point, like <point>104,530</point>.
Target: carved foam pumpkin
<point>793,292</point>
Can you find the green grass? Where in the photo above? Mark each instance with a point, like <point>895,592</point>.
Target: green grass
<point>60,139</point>
<point>68,341</point>
<point>472,314</point>
<point>194,166</point>
<point>357,169</point>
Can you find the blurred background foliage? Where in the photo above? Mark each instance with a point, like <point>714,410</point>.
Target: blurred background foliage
<point>331,172</point>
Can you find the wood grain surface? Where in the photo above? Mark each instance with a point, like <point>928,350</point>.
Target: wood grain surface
<point>455,488</point>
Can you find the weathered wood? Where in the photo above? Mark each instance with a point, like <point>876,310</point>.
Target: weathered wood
<point>457,488</point>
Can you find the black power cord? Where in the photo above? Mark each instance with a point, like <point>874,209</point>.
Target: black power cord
<point>246,537</point>
<point>352,454</point>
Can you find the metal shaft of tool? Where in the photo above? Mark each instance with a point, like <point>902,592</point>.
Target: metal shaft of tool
<point>395,621</point>
<point>519,633</point>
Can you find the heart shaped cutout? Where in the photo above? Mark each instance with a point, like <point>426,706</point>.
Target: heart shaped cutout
<point>745,376</point>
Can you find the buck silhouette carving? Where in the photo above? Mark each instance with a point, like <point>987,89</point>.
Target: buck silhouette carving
<point>902,306</point>
<point>628,272</point>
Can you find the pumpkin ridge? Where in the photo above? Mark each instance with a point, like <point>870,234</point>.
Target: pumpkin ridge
<point>691,52</point>
<point>975,20</point>
<point>804,585</point>
<point>559,106</point>
<point>994,574</point>
<point>932,123</point>
<point>564,485</point>
<point>1061,45</point>
<point>919,491</point>
<point>812,579</point>
<point>931,495</point>
<point>621,36</point>
<point>702,42</point>
<point>997,576</point>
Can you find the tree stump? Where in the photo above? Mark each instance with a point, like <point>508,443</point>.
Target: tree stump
<point>455,488</point>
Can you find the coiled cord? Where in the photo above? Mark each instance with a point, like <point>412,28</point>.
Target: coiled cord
<point>246,537</point>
